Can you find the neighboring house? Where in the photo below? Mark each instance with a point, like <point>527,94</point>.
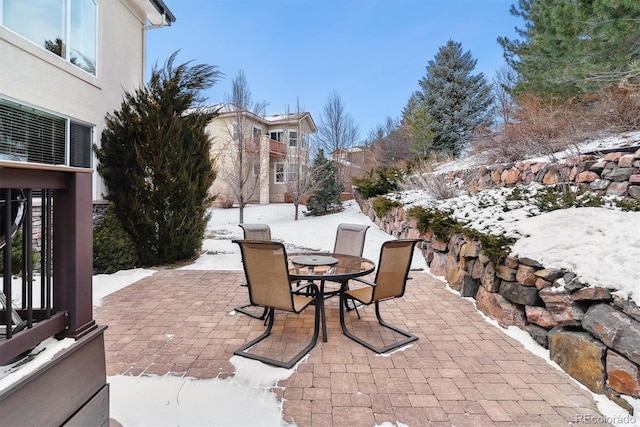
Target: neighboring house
<point>351,162</point>
<point>274,148</point>
<point>64,65</point>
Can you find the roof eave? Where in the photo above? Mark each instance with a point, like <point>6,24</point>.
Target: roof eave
<point>167,16</point>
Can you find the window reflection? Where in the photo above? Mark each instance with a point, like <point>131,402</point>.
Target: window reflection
<point>83,35</point>
<point>37,20</point>
<point>68,28</point>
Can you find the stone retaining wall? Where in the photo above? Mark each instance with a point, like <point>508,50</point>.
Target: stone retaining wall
<point>616,173</point>
<point>593,335</point>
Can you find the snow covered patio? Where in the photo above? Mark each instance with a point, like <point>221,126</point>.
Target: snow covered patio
<point>180,324</point>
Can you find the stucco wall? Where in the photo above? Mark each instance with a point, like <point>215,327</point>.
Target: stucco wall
<point>38,78</point>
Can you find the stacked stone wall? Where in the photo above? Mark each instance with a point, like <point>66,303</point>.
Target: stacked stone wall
<point>615,173</point>
<point>591,333</point>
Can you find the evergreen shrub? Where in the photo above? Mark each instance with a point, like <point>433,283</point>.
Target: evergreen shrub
<point>325,197</point>
<point>155,160</point>
<point>443,224</point>
<point>16,255</point>
<point>378,182</point>
<point>113,247</point>
<point>382,205</point>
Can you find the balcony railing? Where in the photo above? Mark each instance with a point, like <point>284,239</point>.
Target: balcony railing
<point>52,295</point>
<point>276,148</point>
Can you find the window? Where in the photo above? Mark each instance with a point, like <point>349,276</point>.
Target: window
<point>279,173</point>
<point>80,137</point>
<point>31,135</point>
<point>236,134</point>
<point>257,132</point>
<point>82,35</point>
<point>276,135</point>
<point>304,143</point>
<point>293,172</point>
<point>67,28</point>
<point>293,138</point>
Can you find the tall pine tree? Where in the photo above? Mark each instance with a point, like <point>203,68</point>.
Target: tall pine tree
<point>417,124</point>
<point>455,101</point>
<point>326,196</point>
<point>156,163</point>
<point>569,47</point>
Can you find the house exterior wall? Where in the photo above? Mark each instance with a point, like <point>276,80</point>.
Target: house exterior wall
<point>35,77</point>
<point>277,191</point>
<point>224,153</point>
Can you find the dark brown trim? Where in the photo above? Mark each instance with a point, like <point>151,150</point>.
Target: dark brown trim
<point>82,331</point>
<point>61,389</point>
<point>29,338</point>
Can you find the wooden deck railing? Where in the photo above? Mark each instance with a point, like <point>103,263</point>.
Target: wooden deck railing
<point>56,280</point>
<point>276,148</point>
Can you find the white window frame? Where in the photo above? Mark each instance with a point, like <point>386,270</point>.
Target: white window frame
<point>68,38</point>
<point>293,140</point>
<point>235,132</point>
<point>279,173</point>
<point>279,135</point>
<point>292,172</point>
<point>15,115</point>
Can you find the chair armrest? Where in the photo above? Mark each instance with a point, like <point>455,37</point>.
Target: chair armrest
<point>366,282</point>
<point>300,290</point>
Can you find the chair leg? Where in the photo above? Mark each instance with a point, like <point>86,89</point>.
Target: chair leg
<point>242,309</point>
<point>344,288</point>
<point>354,306</point>
<point>408,337</point>
<point>242,351</point>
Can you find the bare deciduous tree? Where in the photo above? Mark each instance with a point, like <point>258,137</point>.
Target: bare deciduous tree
<point>504,82</point>
<point>300,180</point>
<point>242,173</point>
<point>390,143</point>
<point>336,130</point>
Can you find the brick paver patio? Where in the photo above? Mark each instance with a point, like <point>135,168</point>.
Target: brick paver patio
<point>462,371</point>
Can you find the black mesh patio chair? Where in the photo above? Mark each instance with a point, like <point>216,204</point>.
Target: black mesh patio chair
<point>267,274</point>
<point>390,282</point>
<point>254,232</point>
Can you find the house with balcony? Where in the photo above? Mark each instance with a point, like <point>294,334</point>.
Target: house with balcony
<point>266,152</point>
<point>65,65</point>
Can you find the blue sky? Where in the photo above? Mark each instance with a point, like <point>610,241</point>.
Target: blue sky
<point>370,52</point>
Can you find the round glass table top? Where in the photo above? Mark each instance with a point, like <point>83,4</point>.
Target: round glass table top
<point>346,266</point>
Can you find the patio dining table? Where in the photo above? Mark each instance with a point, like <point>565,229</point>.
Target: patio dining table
<point>323,267</point>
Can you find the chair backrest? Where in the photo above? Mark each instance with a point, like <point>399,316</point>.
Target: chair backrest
<point>256,231</point>
<point>267,273</point>
<point>350,239</point>
<point>393,268</point>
